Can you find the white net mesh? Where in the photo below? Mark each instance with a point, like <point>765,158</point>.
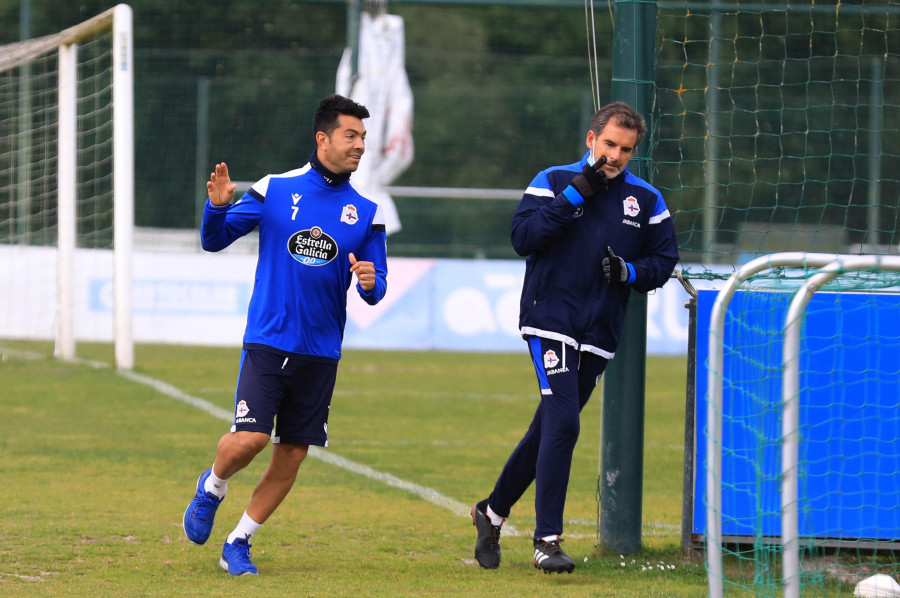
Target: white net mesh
<point>29,185</point>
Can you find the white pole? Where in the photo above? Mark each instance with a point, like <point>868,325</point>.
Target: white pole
<point>790,444</point>
<point>123,182</point>
<point>66,184</point>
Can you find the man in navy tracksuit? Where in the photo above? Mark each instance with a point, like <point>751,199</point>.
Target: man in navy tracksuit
<point>315,234</point>
<point>591,232</point>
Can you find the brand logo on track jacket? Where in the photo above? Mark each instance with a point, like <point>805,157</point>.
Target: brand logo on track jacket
<point>312,247</point>
<point>632,208</point>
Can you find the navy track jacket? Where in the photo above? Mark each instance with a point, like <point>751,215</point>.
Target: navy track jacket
<point>565,295</point>
<point>307,228</point>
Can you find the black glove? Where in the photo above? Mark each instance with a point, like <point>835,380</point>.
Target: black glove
<point>614,268</point>
<point>592,180</point>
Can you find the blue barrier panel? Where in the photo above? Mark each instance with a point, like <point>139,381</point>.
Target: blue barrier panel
<point>849,415</point>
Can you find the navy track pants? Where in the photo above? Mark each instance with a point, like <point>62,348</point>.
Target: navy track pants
<point>567,378</point>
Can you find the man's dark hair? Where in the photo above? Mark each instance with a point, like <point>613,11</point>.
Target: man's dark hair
<point>326,119</point>
<point>624,115</point>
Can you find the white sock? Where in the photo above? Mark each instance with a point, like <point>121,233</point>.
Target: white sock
<point>549,538</point>
<point>215,485</point>
<point>496,519</point>
<point>245,529</point>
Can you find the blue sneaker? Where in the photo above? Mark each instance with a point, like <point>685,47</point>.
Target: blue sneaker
<point>236,558</point>
<point>200,514</point>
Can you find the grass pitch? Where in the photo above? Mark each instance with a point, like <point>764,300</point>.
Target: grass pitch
<point>96,472</point>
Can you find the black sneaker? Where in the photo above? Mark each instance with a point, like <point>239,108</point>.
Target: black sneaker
<point>550,558</point>
<point>487,547</point>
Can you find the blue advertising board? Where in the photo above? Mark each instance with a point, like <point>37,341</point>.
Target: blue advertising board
<point>849,415</point>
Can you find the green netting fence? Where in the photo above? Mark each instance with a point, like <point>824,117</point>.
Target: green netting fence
<point>776,127</point>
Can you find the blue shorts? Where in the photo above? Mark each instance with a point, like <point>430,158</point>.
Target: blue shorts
<point>289,395</point>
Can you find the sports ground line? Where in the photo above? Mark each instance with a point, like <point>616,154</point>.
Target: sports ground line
<point>429,494</point>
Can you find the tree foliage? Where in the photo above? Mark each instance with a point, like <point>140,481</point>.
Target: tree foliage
<point>502,91</point>
<point>499,90</point>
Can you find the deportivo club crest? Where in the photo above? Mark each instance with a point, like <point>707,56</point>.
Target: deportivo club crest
<point>242,408</point>
<point>631,206</point>
<point>312,247</point>
<point>550,359</point>
<point>349,215</point>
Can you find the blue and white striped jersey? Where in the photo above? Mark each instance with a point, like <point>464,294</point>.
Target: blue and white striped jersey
<point>307,229</point>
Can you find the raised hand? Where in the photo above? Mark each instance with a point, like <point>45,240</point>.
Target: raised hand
<point>592,180</point>
<point>220,187</point>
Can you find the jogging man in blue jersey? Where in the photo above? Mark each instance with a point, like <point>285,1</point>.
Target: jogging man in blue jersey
<point>591,232</point>
<point>315,234</point>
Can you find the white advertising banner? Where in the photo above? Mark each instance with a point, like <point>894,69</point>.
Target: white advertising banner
<point>199,298</point>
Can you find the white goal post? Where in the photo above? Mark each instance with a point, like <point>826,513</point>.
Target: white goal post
<point>714,401</point>
<point>116,23</point>
<point>766,427</point>
<point>790,434</point>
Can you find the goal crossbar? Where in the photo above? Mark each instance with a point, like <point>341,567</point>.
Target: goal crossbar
<point>12,55</point>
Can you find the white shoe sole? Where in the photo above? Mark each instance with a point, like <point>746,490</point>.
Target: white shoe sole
<point>224,564</point>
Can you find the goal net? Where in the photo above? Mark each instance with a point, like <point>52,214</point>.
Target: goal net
<point>66,186</point>
<point>799,399</point>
